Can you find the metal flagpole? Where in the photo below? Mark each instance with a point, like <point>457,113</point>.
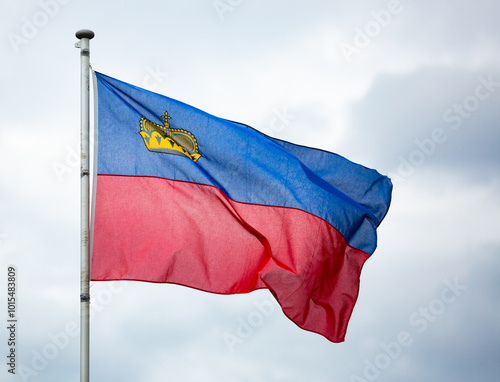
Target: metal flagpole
<point>85,36</point>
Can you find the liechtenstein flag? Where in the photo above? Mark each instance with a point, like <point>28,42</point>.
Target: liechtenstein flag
<point>187,198</point>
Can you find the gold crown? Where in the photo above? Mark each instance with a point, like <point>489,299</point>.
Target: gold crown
<point>163,139</point>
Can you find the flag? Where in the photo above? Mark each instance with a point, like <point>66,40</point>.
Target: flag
<point>188,198</point>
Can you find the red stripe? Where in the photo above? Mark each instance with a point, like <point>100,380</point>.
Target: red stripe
<point>160,230</point>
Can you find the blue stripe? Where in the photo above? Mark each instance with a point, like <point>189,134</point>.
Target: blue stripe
<point>246,165</point>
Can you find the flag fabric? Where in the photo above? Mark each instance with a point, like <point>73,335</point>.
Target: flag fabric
<point>188,198</point>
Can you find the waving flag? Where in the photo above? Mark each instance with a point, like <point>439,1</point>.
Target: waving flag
<point>187,198</point>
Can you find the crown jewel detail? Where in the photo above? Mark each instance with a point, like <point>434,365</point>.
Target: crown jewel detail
<point>167,140</point>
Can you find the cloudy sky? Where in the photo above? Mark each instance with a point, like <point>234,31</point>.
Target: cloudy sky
<point>411,88</point>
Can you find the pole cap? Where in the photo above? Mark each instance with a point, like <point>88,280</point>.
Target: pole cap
<point>84,33</point>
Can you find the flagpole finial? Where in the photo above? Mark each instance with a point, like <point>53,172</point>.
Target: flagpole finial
<point>84,33</point>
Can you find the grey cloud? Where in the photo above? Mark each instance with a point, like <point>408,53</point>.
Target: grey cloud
<point>434,111</point>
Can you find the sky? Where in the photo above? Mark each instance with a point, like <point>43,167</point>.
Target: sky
<point>408,87</point>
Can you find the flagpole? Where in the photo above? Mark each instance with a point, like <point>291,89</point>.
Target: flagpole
<point>84,35</point>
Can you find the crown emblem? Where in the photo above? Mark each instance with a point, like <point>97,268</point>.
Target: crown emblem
<point>164,139</point>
